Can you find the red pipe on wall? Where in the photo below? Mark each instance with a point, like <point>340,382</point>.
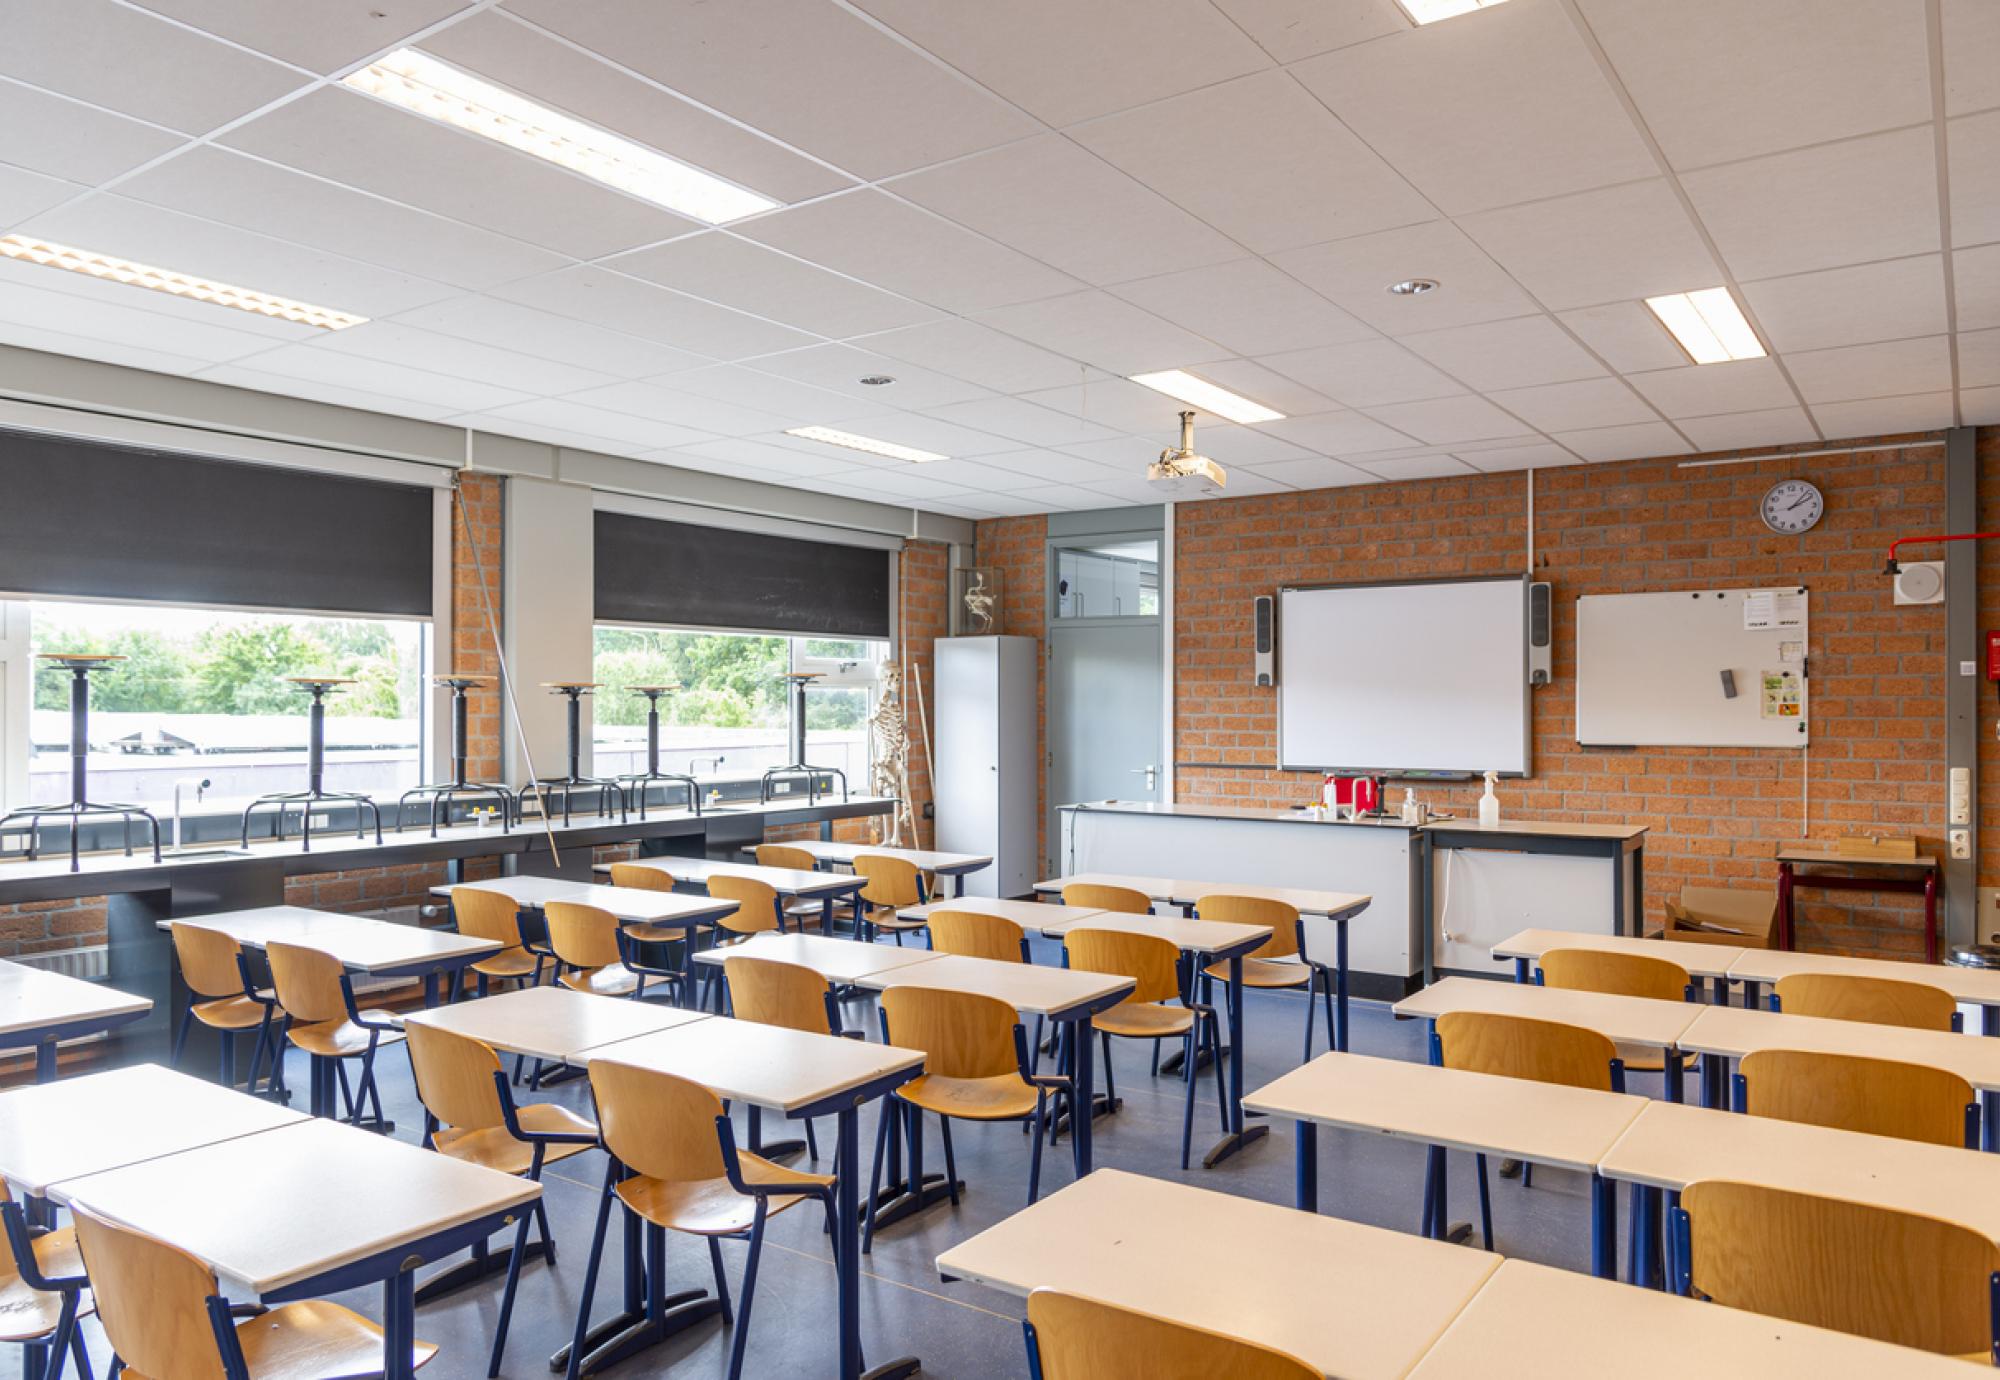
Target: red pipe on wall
<point>1892,568</point>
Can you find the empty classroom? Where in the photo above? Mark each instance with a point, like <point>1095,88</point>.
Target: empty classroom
<point>1007,691</point>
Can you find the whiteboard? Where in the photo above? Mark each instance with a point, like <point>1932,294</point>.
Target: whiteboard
<point>1381,679</point>
<point>1649,668</point>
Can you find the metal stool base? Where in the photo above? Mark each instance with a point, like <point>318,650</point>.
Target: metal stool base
<point>76,813</point>
<point>454,791</point>
<point>637,784</point>
<point>284,800</point>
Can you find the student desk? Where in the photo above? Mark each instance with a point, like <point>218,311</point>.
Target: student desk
<point>1710,961</point>
<point>791,883</point>
<point>842,962</point>
<point>101,1121</point>
<point>1357,1302</point>
<point>1669,1147</point>
<point>800,1075</point>
<point>552,1023</point>
<point>952,865</point>
<point>1627,1020</point>
<point>1208,941</point>
<point>1977,986</point>
<point>1336,906</point>
<point>39,1009</point>
<point>1731,1032</point>
<point>312,1209</point>
<point>1531,1322</point>
<point>629,905</point>
<point>1029,915</point>
<point>1570,1128</point>
<point>1064,996</point>
<point>1834,871</point>
<point>373,948</point>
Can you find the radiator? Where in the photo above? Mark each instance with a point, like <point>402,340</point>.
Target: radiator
<point>92,963</point>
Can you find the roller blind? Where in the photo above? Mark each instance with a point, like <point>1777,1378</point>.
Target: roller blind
<point>83,519</point>
<point>650,571</point>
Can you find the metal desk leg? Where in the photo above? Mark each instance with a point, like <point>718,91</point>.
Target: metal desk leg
<point>958,886</point>
<point>1083,1109</point>
<point>1989,1103</point>
<point>430,989</point>
<point>1339,984</point>
<point>1785,939</point>
<point>1238,1137</point>
<point>1603,1227</point>
<point>1676,1072</point>
<point>1930,917</point>
<point>690,971</point>
<point>45,1069</point>
<point>1306,1195</point>
<point>1520,970</point>
<point>399,1325</point>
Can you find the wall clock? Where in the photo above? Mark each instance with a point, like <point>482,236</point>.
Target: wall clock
<point>1792,507</point>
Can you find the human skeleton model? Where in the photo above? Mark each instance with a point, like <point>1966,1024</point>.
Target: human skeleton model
<point>891,775</point>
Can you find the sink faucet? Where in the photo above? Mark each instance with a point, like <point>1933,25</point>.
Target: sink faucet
<point>713,762</point>
<point>200,784</point>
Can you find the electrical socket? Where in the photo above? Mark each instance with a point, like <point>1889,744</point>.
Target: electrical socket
<point>1987,924</point>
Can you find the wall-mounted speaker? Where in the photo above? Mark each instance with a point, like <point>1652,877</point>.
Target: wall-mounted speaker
<point>1541,633</point>
<point>1264,616</point>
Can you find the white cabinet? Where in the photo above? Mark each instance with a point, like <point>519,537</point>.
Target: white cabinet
<point>984,778</point>
<point>1125,589</point>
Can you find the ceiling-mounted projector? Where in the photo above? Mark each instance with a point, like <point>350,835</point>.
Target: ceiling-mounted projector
<point>1180,473</point>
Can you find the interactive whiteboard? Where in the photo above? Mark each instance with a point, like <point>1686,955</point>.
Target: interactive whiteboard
<point>1427,676</point>
<point>1692,668</point>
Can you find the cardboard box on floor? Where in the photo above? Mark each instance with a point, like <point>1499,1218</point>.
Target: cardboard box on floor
<point>1745,916</point>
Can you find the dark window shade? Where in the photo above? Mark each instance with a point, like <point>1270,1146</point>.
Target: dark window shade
<point>86,520</point>
<point>650,571</point>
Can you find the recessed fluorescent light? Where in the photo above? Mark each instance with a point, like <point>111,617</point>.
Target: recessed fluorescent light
<point>1430,11</point>
<point>1708,324</point>
<point>179,284</point>
<point>1178,383</point>
<point>829,436</point>
<point>420,83</point>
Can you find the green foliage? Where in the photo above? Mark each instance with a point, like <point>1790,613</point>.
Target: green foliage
<point>728,681</point>
<point>155,674</point>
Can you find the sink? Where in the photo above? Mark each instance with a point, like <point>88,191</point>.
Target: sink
<point>197,852</point>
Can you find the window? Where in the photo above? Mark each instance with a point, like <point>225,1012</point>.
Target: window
<point>202,695</point>
<point>1116,577</point>
<point>732,714</point>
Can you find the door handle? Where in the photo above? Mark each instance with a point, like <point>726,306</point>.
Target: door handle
<point>1148,772</point>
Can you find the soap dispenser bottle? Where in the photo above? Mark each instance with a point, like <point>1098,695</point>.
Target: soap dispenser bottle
<point>1489,804</point>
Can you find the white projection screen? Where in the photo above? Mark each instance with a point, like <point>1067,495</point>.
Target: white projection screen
<point>1426,676</point>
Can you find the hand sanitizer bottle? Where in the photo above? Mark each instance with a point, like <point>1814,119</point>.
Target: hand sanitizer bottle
<point>1489,804</point>
<point>1409,805</point>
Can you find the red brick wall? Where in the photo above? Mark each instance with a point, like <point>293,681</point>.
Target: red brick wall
<point>481,500</point>
<point>1018,546</point>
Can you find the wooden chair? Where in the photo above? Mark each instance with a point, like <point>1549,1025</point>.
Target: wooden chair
<point>675,1166</point>
<point>758,907</point>
<point>1878,1001</point>
<point>803,913</point>
<point>495,915</point>
<point>976,1068</point>
<point>322,1019</point>
<point>788,995</point>
<point>1281,962</point>
<point>1094,896</point>
<point>1519,1047</point>
<point>1882,1097</point>
<point>976,934</point>
<point>1624,975</point>
<point>470,1114</point>
<point>222,996</point>
<point>585,940</point>
<point>1156,1010</point>
<point>892,885</point>
<point>653,879</point>
<point>1872,1271</point>
<point>41,1292</point>
<point>1074,1338</point>
<point>165,1315</point>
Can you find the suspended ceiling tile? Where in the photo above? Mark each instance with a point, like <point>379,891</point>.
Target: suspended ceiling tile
<point>238,376</point>
<point>1049,56</point>
<point>619,303</point>
<point>1058,203</point>
<point>1356,274</point>
<point>1121,406</point>
<point>1717,80</point>
<point>1974,144</point>
<point>924,433</point>
<point>1503,459</point>
<point>594,424</point>
<point>1586,404</point>
<point>1775,426</point>
<point>903,248</point>
<point>910,481</point>
<point>1881,416</point>
<point>1979,406</point>
<point>718,267</point>
<point>1063,498</point>
<point>137,64</point>
<point>348,137</point>
<point>1097,328</point>
<point>969,350</point>
<point>124,320</point>
<point>1891,300</point>
<point>1317,472</point>
<point>491,321</point>
<point>1979,359</point>
<point>1339,433</point>
<point>1872,371</point>
<point>1791,212</point>
<point>322,36</point>
<point>1496,107</point>
<point>977,474</point>
<point>390,342</point>
<point>51,134</point>
<point>1971,31</point>
<point>1636,441</point>
<point>24,194</point>
<point>1050,467</point>
<point>1976,276</point>
<point>1614,244</point>
<point>345,369</point>
<point>1247,306</point>
<point>1006,505</point>
<point>125,297</point>
<point>55,342</point>
<point>1368,374</point>
<point>1020,420</point>
<point>553,72</point>
<point>1264,385</point>
<point>842,367</point>
<point>741,386</point>
<point>1507,354</point>
<point>1626,336</point>
<point>704,415</point>
<point>1416,467</point>
<point>1292,29</point>
<point>817,77</point>
<point>1449,421</point>
<point>275,201</point>
<point>1237,445</point>
<point>1262,161</point>
<point>1702,390</point>
<point>762,455</point>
